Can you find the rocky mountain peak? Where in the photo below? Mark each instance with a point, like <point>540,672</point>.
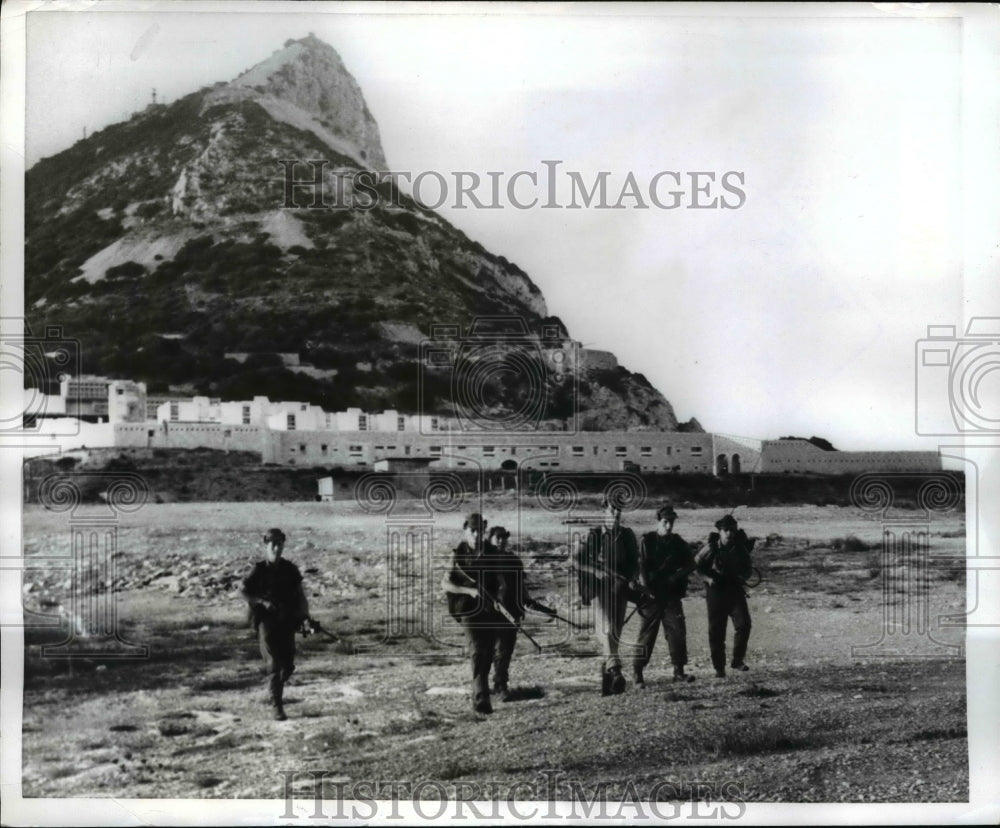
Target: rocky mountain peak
<point>306,84</point>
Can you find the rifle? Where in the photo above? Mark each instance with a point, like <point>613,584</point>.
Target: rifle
<point>311,625</point>
<point>497,605</point>
<point>677,576</point>
<point>553,614</point>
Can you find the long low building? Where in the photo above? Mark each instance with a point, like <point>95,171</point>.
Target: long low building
<point>641,451</point>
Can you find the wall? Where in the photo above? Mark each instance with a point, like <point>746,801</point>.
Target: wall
<point>585,451</point>
<point>800,456</point>
<point>189,435</point>
<point>62,434</point>
<point>739,455</point>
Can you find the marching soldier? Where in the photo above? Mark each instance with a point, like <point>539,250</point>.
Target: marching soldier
<point>513,596</point>
<point>725,565</point>
<point>279,608</point>
<point>471,585</point>
<point>665,561</point>
<point>606,564</point>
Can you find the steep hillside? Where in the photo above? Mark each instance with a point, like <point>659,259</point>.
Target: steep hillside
<point>167,241</point>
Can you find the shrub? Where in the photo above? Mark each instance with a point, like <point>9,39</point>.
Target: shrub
<point>851,543</point>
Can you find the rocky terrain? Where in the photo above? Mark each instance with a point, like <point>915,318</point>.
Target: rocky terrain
<point>168,241</point>
<point>811,722</point>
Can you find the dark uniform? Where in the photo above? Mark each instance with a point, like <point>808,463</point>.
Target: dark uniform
<point>480,620</point>
<point>513,595</point>
<point>607,562</point>
<point>664,564</point>
<point>726,568</point>
<point>280,584</point>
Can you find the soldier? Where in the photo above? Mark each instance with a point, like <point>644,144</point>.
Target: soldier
<point>471,586</point>
<point>665,561</point>
<point>726,564</point>
<point>278,607</point>
<point>513,596</point>
<point>606,563</point>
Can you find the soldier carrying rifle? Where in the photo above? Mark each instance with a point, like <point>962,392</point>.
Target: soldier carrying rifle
<point>471,586</point>
<point>279,609</point>
<point>725,564</point>
<point>513,596</point>
<point>606,564</point>
<point>665,561</point>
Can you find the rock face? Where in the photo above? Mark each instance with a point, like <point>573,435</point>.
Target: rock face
<point>166,241</point>
<point>307,85</point>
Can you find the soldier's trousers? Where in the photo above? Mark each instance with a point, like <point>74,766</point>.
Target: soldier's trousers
<point>277,648</point>
<point>609,616</point>
<point>725,602</point>
<point>506,640</point>
<point>480,639</point>
<point>668,613</point>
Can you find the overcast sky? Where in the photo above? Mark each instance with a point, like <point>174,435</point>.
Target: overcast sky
<point>796,313</point>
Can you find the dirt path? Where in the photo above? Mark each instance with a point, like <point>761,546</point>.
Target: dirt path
<point>810,722</point>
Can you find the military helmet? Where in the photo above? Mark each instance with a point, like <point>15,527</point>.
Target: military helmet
<point>274,535</point>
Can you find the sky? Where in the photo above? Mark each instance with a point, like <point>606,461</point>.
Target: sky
<point>797,312</point>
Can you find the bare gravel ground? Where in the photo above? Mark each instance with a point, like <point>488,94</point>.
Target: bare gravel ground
<point>811,722</point>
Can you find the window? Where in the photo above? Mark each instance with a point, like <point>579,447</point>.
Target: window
<point>595,451</point>
<point>489,451</point>
<point>355,449</point>
<point>406,450</point>
<point>175,411</point>
<point>436,451</point>
<point>302,448</point>
<point>696,451</point>
<point>303,406</point>
<point>290,422</point>
<point>246,415</point>
<point>578,451</point>
<point>323,449</point>
<point>119,391</point>
<point>619,451</point>
<point>434,423</point>
<point>362,422</point>
<point>401,424</point>
<point>670,450</point>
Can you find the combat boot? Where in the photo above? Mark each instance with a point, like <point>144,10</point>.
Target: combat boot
<point>277,692</point>
<point>605,682</point>
<point>618,683</point>
<point>640,683</point>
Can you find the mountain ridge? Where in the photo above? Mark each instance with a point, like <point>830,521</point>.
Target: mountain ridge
<point>171,232</point>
